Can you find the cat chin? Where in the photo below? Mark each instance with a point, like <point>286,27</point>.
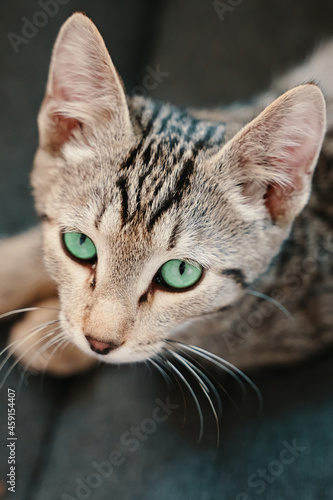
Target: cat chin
<point>123,358</point>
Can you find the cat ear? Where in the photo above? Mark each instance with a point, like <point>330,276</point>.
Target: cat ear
<point>83,89</point>
<point>273,158</point>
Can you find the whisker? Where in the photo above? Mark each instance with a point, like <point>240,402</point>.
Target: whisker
<point>184,362</point>
<point>193,370</point>
<point>164,362</point>
<point>27,309</point>
<point>19,342</point>
<point>203,373</point>
<point>229,368</point>
<point>20,357</point>
<point>181,376</point>
<point>63,342</point>
<point>55,337</point>
<point>60,345</point>
<point>218,362</point>
<point>29,332</point>
<point>161,371</point>
<point>27,365</point>
<point>283,309</point>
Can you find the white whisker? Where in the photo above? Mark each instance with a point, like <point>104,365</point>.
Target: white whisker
<point>196,364</point>
<point>188,385</point>
<point>283,309</point>
<point>161,371</point>
<point>55,337</point>
<point>27,309</point>
<point>164,362</point>
<point>19,342</point>
<point>193,370</point>
<point>229,368</point>
<point>22,356</point>
<point>60,343</point>
<point>218,361</point>
<point>27,365</point>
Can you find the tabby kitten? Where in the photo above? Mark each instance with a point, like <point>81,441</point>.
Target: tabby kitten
<point>162,224</point>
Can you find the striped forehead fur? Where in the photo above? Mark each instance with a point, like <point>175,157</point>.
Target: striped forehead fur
<point>157,168</point>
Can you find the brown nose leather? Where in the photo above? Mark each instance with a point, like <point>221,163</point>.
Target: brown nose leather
<point>101,347</point>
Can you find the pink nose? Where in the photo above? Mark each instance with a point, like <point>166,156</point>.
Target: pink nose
<point>102,347</point>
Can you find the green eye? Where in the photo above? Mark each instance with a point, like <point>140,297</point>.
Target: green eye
<point>180,274</point>
<point>80,246</point>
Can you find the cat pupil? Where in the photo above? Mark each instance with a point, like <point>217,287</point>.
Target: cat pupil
<point>182,267</point>
<point>82,239</point>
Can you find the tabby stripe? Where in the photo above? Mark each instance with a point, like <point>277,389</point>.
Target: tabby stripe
<point>158,187</point>
<point>174,198</point>
<point>167,171</point>
<point>168,202</point>
<point>99,217</point>
<point>122,185</point>
<point>184,179</point>
<point>133,154</point>
<point>160,184</point>
<point>180,154</point>
<point>174,235</point>
<point>146,154</point>
<point>237,275</point>
<point>203,143</point>
<point>142,177</point>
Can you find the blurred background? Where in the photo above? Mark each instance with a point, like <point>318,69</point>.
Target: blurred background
<point>196,53</point>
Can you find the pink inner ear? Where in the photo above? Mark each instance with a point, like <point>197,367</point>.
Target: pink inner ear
<point>296,167</point>
<point>62,127</point>
<point>276,200</point>
<point>63,130</point>
<point>276,153</point>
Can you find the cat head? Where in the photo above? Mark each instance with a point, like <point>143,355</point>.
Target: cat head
<point>151,218</point>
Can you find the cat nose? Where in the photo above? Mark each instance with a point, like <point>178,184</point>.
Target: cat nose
<point>102,347</point>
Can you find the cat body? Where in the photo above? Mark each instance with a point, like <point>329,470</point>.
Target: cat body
<point>149,184</point>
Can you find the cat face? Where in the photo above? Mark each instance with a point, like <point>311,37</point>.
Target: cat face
<point>152,219</point>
